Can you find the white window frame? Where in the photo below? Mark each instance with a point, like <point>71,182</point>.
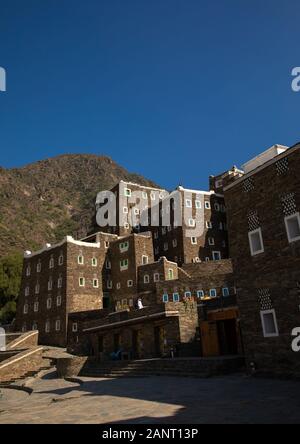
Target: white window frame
<point>81,281</point>
<point>146,279</point>
<point>211,241</point>
<point>286,220</point>
<point>156,277</point>
<point>61,260</point>
<point>25,309</point>
<point>165,298</point>
<point>145,259</point>
<point>192,222</point>
<point>60,282</point>
<point>130,283</point>
<point>144,195</point>
<point>118,286</point>
<point>27,290</point>
<point>211,291</point>
<point>124,263</point>
<point>36,306</point>
<point>95,283</point>
<point>80,260</point>
<point>188,294</point>
<point>94,262</point>
<point>74,327</point>
<point>47,326</point>
<point>188,203</point>
<point>51,263</point>
<point>225,290</point>
<point>250,233</point>
<point>57,325</point>
<point>37,288</point>
<point>269,335</point>
<point>176,297</point>
<point>49,303</point>
<point>166,246</point>
<point>58,301</point>
<point>127,192</point>
<point>198,204</point>
<point>50,284</point>
<point>194,240</point>
<point>200,294</point>
<point>207,205</point>
<point>218,253</point>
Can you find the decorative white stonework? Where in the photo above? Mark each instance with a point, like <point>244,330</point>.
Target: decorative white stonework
<point>288,202</point>
<point>264,298</point>
<point>253,220</point>
<point>248,185</point>
<point>282,166</point>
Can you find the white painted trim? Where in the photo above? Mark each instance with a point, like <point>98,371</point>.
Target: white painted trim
<point>154,315</point>
<point>20,358</point>
<point>67,239</point>
<point>141,186</point>
<point>205,193</point>
<point>23,339</point>
<point>262,167</point>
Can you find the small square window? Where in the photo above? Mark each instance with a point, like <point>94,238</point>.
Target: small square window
<point>145,260</point>
<point>27,290</point>
<point>216,255</point>
<point>188,203</point>
<point>207,205</point>
<point>256,242</point>
<point>127,192</point>
<point>118,286</point>
<point>192,222</point>
<point>106,244</point>
<point>176,297</point>
<point>213,293</point>
<point>130,283</point>
<point>225,291</point>
<point>200,294</point>
<point>198,204</point>
<point>125,210</point>
<point>211,241</point>
<point>187,294</point>
<point>194,240</point>
<point>269,323</point>
<point>124,265</point>
<point>292,224</point>
<point>165,298</point>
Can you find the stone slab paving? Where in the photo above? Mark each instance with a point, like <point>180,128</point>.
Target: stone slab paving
<point>227,399</point>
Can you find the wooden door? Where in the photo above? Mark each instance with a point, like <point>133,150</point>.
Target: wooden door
<point>209,338</point>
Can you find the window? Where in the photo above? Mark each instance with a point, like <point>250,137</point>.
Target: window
<point>216,255</point>
<point>198,204</point>
<point>217,206</point>
<point>51,263</point>
<point>174,242</point>
<point>50,284</point>
<point>80,260</point>
<point>34,326</point>
<point>125,210</point>
<point>207,259</point>
<point>194,240</point>
<point>25,309</point>
<point>213,293</point>
<point>145,259</point>
<point>130,283</point>
<point>124,264</point>
<point>60,282</point>
<point>74,327</point>
<point>192,222</point>
<point>81,282</point>
<point>176,297</point>
<point>106,244</point>
<point>146,279</point>
<point>57,325</point>
<point>166,246</point>
<point>207,205</point>
<point>188,203</point>
<point>211,241</point>
<point>58,301</point>
<point>208,224</point>
<point>60,260</point>
<point>127,192</point>
<point>218,183</point>
<point>95,283</point>
<point>156,277</point>
<point>109,284</point>
<point>187,294</point>
<point>107,264</point>
<point>221,226</point>
<point>124,246</point>
<point>165,298</point>
<point>47,326</point>
<point>292,224</point>
<point>27,291</point>
<point>94,262</point>
<point>118,286</point>
<point>152,195</point>
<point>49,303</point>
<point>170,273</point>
<point>37,288</point>
<point>225,291</point>
<point>144,195</point>
<point>126,226</point>
<point>269,323</point>
<point>200,294</point>
<point>136,211</point>
<point>28,270</point>
<point>39,267</point>
<point>256,242</point>
<point>36,306</point>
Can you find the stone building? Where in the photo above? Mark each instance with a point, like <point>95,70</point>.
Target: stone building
<point>263,210</point>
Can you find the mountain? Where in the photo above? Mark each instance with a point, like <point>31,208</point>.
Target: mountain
<point>45,200</point>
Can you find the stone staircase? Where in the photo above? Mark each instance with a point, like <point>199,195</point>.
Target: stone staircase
<point>185,367</point>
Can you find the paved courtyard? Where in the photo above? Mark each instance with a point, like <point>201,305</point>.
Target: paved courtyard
<point>228,399</point>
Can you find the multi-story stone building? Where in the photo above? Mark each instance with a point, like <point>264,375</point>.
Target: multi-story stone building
<point>263,210</point>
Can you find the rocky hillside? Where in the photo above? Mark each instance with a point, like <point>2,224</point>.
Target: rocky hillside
<point>44,201</point>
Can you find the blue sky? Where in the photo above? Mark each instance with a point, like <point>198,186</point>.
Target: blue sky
<point>172,89</point>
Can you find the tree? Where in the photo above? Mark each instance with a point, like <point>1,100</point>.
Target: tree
<point>10,281</point>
